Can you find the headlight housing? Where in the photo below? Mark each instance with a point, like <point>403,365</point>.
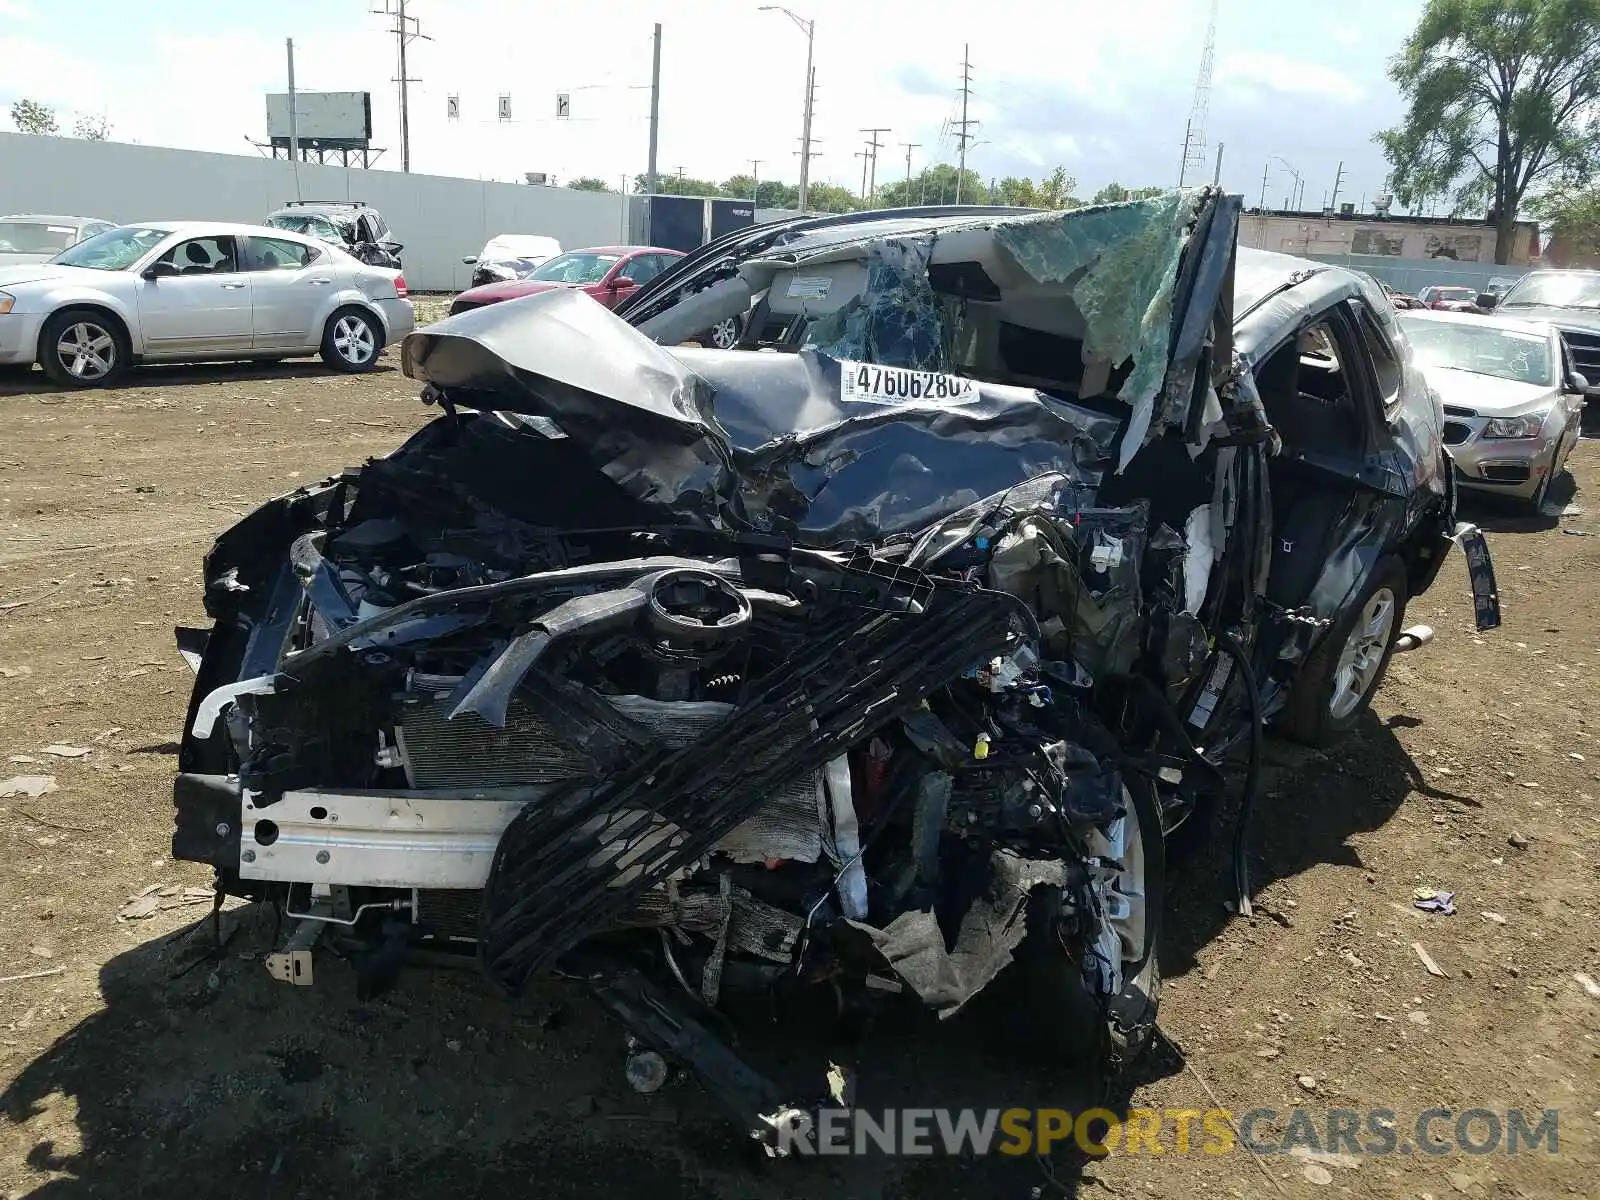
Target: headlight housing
<point>7,300</point>
<point>1525,426</point>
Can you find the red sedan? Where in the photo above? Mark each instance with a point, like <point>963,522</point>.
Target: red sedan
<point>608,273</point>
<point>1444,298</point>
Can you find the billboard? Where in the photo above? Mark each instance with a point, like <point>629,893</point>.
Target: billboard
<point>321,116</point>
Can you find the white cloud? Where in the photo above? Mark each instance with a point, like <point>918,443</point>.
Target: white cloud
<point>15,10</point>
<point>1253,71</point>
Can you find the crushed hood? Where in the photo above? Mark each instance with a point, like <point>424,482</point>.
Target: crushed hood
<point>829,446</point>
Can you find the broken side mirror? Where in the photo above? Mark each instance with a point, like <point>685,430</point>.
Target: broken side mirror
<point>1577,383</point>
<point>158,270</point>
<point>1487,300</point>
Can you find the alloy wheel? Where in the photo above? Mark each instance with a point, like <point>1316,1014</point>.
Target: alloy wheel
<point>1364,648</point>
<point>725,334</point>
<point>86,350</point>
<point>353,340</point>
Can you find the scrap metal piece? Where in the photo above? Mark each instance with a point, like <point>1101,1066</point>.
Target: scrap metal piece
<point>292,964</point>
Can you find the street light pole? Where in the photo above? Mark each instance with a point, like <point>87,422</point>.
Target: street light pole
<point>809,28</point>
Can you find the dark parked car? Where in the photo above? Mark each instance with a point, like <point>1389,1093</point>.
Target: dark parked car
<point>883,658</point>
<point>1569,300</point>
<point>352,225</point>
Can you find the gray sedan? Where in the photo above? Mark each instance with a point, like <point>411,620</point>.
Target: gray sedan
<point>191,291</point>
<point>36,237</point>
<point>1512,400</point>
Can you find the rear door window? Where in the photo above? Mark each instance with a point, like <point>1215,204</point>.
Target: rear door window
<point>1384,356</point>
<point>277,254</point>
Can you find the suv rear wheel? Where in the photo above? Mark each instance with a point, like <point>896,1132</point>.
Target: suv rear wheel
<point>1337,683</point>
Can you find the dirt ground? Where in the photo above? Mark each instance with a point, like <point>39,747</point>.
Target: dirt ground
<point>141,1067</point>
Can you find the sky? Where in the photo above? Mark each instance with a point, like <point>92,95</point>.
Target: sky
<point>1103,89</point>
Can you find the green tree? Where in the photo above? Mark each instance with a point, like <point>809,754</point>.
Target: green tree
<point>829,198</point>
<point>1500,95</point>
<point>935,184</point>
<point>91,128</point>
<point>1573,213</point>
<point>1115,193</point>
<point>588,183</point>
<point>29,116</point>
<point>677,185</point>
<point>773,193</point>
<point>1056,191</point>
<point>1016,193</point>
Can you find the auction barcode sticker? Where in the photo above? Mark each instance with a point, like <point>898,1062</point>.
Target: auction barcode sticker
<point>872,384</point>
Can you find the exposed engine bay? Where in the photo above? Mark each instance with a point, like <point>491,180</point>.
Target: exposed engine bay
<point>682,672</point>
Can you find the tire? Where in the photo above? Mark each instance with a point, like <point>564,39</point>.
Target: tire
<point>1338,681</point>
<point>83,348</point>
<point>1041,1003</point>
<point>1533,506</point>
<point>352,341</point>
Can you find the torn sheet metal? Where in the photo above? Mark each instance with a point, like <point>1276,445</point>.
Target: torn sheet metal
<point>898,321</point>
<point>642,416</point>
<point>1125,258</point>
<point>767,441</point>
<point>945,979</point>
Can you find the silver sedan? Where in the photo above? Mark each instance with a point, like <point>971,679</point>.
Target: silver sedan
<point>1513,402</point>
<point>191,291</point>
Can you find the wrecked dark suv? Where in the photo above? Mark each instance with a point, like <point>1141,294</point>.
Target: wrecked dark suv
<point>883,652</point>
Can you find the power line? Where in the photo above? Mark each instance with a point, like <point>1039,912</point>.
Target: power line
<point>406,30</point>
<point>873,146</point>
<point>965,134</point>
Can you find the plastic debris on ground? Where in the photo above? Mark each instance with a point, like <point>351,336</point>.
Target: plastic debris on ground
<point>1429,900</point>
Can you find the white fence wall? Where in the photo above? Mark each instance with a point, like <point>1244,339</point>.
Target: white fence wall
<point>437,219</point>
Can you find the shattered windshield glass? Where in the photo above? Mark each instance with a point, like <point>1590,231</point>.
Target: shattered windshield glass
<point>113,250</point>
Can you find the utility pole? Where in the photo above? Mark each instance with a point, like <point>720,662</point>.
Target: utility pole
<point>910,146</point>
<point>1265,172</point>
<point>294,123</point>
<point>655,113</point>
<point>864,156</point>
<point>965,135</point>
<point>755,188</point>
<point>873,146</point>
<point>1338,182</point>
<point>294,128</point>
<point>1216,178</point>
<point>406,30</point>
<point>809,28</point>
